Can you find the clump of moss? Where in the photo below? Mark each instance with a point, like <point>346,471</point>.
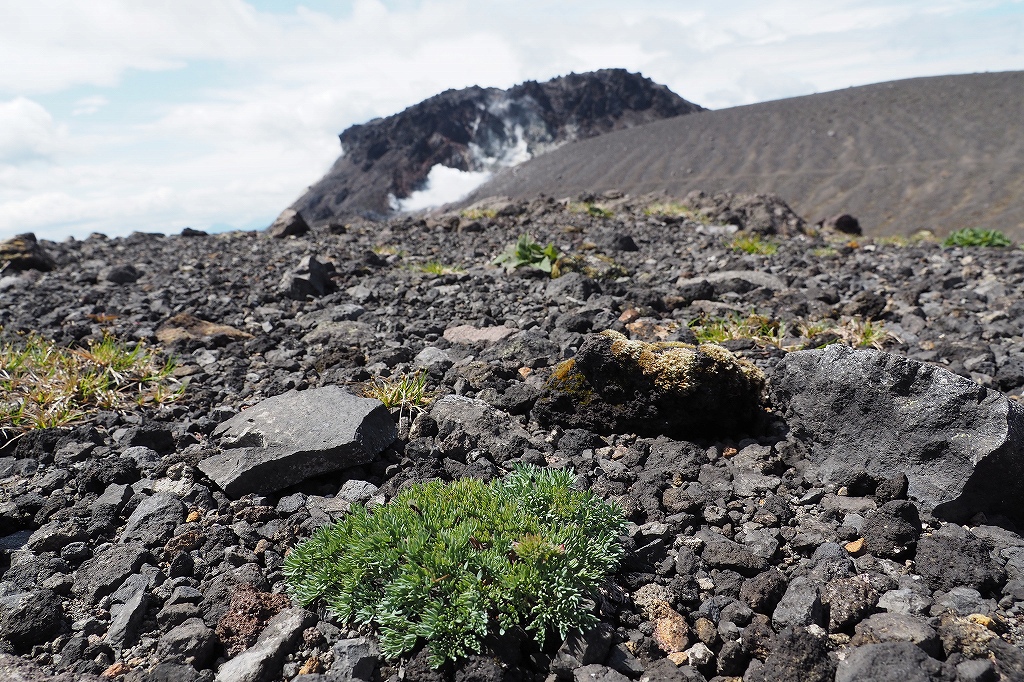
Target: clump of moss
<point>616,384</point>
<point>448,563</point>
<point>592,265</point>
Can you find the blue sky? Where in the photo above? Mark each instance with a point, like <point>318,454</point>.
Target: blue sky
<point>123,116</point>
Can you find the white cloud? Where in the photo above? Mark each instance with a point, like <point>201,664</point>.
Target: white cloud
<point>444,185</point>
<point>27,132</point>
<point>89,105</point>
<point>246,144</point>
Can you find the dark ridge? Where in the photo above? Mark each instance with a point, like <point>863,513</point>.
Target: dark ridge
<point>936,153</point>
<point>393,155</point>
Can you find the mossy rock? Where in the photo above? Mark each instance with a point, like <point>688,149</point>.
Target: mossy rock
<point>617,385</point>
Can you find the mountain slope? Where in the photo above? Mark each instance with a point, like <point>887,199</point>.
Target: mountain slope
<point>478,129</point>
<point>939,153</point>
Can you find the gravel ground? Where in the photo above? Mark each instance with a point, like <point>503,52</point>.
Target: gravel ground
<point>120,557</point>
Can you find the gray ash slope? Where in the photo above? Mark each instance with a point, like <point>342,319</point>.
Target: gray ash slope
<point>936,153</point>
<point>738,555</point>
<point>476,129</point>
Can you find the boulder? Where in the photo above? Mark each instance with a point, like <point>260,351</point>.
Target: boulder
<point>289,224</point>
<point>23,252</point>
<point>29,618</point>
<point>288,438</point>
<point>310,278</point>
<point>617,385</point>
<point>889,662</point>
<point>960,445</point>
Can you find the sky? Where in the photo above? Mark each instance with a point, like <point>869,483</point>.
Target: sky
<point>123,116</point>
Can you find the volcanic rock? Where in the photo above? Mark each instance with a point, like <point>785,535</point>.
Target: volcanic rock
<point>960,444</point>
<point>24,252</point>
<point>889,662</point>
<point>289,224</point>
<point>288,438</point>
<point>29,618</point>
<point>262,661</point>
<point>667,388</point>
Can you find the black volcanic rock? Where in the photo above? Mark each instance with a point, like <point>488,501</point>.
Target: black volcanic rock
<point>463,128</point>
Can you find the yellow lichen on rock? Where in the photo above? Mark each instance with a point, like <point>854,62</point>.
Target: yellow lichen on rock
<point>671,365</point>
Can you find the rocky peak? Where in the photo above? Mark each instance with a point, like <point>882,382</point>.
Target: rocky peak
<point>477,129</point>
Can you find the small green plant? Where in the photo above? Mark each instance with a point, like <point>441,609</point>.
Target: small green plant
<point>591,209</point>
<point>448,563</point>
<point>754,244</point>
<point>44,385</point>
<point>478,213</point>
<point>670,209</point>
<point>526,252</point>
<point>825,251</point>
<point>387,250</point>
<point>973,236</point>
<point>406,391</point>
<point>437,268</point>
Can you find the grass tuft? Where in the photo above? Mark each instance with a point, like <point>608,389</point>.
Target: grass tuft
<point>754,244</point>
<point>43,385</point>
<point>479,213</point>
<point>590,208</point>
<point>437,268</point>
<point>407,391</point>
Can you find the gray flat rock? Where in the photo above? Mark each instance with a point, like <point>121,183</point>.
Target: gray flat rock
<point>291,437</point>
<point>960,445</point>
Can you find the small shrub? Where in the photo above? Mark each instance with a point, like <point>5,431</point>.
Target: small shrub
<point>407,391</point>
<point>973,236</point>
<point>450,562</point>
<point>754,244</point>
<point>44,385</point>
<point>526,252</point>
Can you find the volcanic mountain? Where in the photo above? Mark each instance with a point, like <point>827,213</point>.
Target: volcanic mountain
<point>476,129</point>
<point>937,153</point>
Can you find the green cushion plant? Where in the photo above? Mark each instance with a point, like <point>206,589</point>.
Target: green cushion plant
<point>448,563</point>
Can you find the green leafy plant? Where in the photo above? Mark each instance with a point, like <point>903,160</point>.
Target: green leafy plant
<point>754,244</point>
<point>973,236</point>
<point>526,252</point>
<point>447,563</point>
<point>44,385</point>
